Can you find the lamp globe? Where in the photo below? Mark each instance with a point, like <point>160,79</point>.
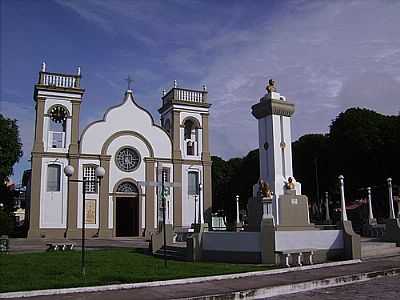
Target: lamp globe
<point>69,170</point>
<point>100,172</point>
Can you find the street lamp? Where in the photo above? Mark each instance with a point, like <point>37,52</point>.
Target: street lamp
<point>99,172</point>
<point>200,212</point>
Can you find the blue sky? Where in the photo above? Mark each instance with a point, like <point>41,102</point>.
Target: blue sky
<point>325,55</point>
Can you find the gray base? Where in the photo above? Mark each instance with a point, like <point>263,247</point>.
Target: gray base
<point>392,231</point>
<point>293,210</point>
<point>352,242</point>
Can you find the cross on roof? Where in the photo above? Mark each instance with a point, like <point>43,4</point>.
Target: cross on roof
<point>129,80</point>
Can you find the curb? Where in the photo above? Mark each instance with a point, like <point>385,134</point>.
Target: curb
<point>262,293</point>
<point>126,286</point>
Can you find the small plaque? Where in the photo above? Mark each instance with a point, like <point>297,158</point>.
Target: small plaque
<point>294,201</point>
<point>90,215</point>
<point>275,96</point>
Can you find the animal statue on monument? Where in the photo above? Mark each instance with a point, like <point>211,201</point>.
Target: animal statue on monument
<point>290,184</point>
<point>264,189</point>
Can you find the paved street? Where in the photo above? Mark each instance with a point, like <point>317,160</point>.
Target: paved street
<point>386,288</point>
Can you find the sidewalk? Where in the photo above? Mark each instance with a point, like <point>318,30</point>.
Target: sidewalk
<point>252,287</point>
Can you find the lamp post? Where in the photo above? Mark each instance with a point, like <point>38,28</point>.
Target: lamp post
<point>237,211</point>
<point>200,212</point>
<point>343,202</point>
<point>327,216</point>
<point>195,209</point>
<point>99,172</point>
<point>371,215</point>
<point>391,207</point>
<point>163,179</point>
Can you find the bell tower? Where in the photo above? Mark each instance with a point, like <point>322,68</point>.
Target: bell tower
<point>184,115</point>
<point>58,98</point>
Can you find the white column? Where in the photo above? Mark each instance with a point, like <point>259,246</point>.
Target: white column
<point>237,210</point>
<point>343,202</point>
<point>391,208</point>
<point>371,215</point>
<point>327,216</point>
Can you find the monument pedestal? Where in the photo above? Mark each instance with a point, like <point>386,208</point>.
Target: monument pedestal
<point>368,228</point>
<point>293,212</point>
<point>254,211</point>
<point>267,229</point>
<point>267,208</point>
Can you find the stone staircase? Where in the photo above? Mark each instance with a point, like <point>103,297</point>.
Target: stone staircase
<point>371,248</point>
<point>176,251</point>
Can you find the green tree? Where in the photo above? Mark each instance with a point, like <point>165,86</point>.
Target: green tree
<point>219,182</point>
<point>366,146</point>
<point>234,177</point>
<point>10,153</point>
<point>311,164</point>
<point>10,146</point>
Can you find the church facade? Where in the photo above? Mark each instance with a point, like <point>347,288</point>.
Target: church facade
<point>134,152</point>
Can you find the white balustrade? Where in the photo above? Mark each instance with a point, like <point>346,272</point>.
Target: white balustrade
<point>191,96</point>
<point>59,80</point>
<point>178,94</point>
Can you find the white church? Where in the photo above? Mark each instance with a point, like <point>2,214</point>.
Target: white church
<point>133,150</point>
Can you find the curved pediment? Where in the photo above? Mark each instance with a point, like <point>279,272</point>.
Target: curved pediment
<point>125,117</point>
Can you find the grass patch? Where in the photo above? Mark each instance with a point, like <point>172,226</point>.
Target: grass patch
<point>32,271</point>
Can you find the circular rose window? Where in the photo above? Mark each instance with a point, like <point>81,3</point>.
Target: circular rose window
<point>127,159</point>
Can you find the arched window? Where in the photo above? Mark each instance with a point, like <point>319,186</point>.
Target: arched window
<point>57,127</point>
<point>53,177</point>
<point>189,127</point>
<point>127,187</point>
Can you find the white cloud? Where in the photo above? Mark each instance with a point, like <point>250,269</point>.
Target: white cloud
<point>325,55</point>
<point>315,54</point>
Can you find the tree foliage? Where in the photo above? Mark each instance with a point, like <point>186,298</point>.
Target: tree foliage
<point>234,177</point>
<point>10,146</point>
<point>10,153</point>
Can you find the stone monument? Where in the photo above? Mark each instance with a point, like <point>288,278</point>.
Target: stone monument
<point>278,194</point>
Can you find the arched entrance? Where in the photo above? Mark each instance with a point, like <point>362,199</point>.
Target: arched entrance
<point>127,209</point>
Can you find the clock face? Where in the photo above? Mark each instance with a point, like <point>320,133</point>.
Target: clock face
<point>127,159</point>
<point>58,114</point>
